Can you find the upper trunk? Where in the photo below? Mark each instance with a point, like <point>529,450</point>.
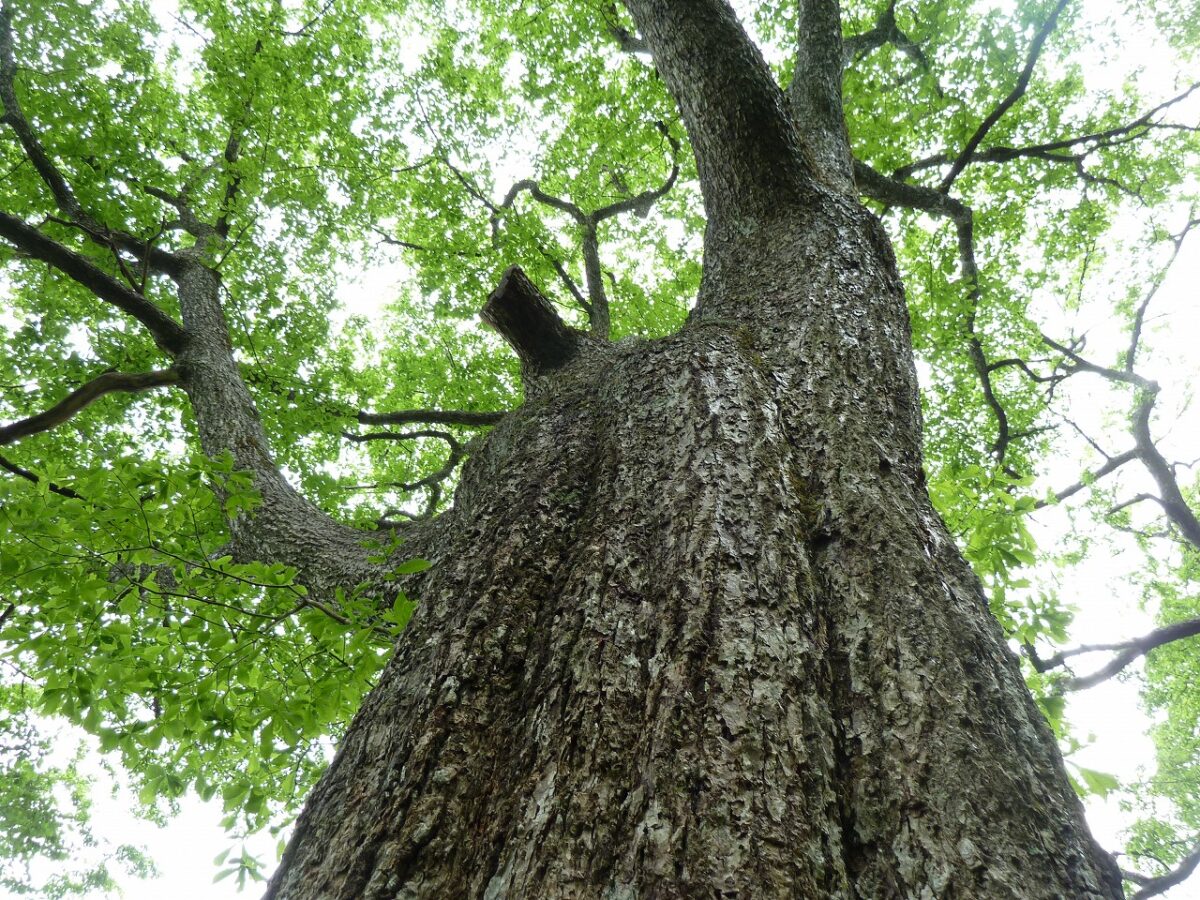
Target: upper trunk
<point>693,627</point>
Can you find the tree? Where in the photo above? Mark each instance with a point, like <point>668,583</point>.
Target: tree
<point>691,623</point>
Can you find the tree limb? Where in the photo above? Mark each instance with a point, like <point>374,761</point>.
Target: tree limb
<point>9,466</point>
<point>596,304</point>
<point>431,417</point>
<point>167,333</point>
<point>884,31</point>
<point>1152,887</point>
<point>746,146</point>
<point>1139,318</point>
<point>816,92</point>
<point>1113,463</point>
<point>74,402</point>
<point>1035,50</point>
<point>898,193</point>
<point>1099,139</point>
<point>64,197</point>
<point>1127,652</point>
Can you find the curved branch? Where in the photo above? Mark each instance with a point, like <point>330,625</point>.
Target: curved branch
<point>1152,887</point>
<point>898,193</point>
<point>596,303</point>
<point>74,402</point>
<point>1139,318</point>
<point>1035,50</point>
<point>167,333</point>
<point>1127,652</point>
<point>1113,463</point>
<point>9,466</point>
<point>884,31</point>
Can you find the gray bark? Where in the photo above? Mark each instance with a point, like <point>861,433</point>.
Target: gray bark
<point>693,627</point>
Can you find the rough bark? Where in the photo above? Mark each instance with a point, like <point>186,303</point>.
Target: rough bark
<point>285,527</point>
<point>692,626</point>
<point>694,630</point>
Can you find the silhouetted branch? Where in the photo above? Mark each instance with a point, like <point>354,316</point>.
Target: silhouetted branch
<point>911,196</point>
<point>884,31</point>
<point>1127,652</point>
<point>1113,463</point>
<point>166,332</point>
<point>10,466</point>
<point>1035,50</point>
<point>77,400</point>
<point>1152,887</point>
<point>431,417</point>
<point>1139,318</point>
<point>1098,140</point>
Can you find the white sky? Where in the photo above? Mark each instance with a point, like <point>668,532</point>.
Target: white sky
<point>184,850</point>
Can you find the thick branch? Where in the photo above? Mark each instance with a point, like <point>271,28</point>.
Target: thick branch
<point>166,331</point>
<point>1170,496</point>
<point>65,409</point>
<point>747,151</point>
<point>816,92</point>
<point>1152,887</point>
<point>1018,91</point>
<point>884,31</point>
<point>528,322</point>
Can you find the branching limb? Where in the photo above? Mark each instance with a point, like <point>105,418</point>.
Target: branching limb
<point>1170,497</point>
<point>64,196</point>
<point>1152,887</point>
<point>432,481</point>
<point>1139,319</point>
<point>65,409</point>
<point>596,304</point>
<point>167,333</point>
<point>1018,91</point>
<point>898,193</point>
<point>1126,653</point>
<point>1092,141</point>
<point>1111,465</point>
<point>884,31</point>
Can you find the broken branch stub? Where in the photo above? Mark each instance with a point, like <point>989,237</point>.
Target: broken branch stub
<point>527,320</point>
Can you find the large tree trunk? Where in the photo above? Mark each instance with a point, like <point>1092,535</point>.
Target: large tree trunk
<point>693,628</point>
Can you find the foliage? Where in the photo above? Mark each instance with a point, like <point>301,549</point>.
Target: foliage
<point>339,141</point>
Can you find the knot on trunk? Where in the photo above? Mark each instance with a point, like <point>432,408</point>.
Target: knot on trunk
<point>527,320</point>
